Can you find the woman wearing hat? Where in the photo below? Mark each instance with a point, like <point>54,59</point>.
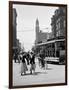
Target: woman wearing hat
<point>23,65</point>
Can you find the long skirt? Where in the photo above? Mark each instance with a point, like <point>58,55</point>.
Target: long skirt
<point>33,66</point>
<point>24,68</point>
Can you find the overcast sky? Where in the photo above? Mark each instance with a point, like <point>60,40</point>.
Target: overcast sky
<point>26,19</point>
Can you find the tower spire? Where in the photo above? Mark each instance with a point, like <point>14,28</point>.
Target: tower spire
<point>37,30</point>
<point>37,22</point>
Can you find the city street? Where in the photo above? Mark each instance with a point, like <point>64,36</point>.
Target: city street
<point>39,37</point>
<point>54,74</point>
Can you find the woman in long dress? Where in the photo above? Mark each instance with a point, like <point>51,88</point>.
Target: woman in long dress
<point>32,62</point>
<point>23,65</point>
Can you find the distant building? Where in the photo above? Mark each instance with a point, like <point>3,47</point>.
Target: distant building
<point>14,28</point>
<point>40,36</point>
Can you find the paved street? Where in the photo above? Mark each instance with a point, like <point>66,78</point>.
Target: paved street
<point>54,74</point>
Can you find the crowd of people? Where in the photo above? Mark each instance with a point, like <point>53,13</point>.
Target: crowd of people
<point>28,58</point>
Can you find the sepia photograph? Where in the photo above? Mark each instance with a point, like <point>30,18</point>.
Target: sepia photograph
<point>37,44</point>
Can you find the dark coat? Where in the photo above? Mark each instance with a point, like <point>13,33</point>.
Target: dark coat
<point>23,58</point>
<point>32,60</point>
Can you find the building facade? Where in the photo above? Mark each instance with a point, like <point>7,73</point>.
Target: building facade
<point>14,28</point>
<point>55,46</point>
<point>58,23</point>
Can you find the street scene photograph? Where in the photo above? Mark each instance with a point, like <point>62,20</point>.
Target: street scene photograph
<point>39,44</point>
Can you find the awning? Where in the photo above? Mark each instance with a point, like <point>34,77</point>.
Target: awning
<point>48,42</point>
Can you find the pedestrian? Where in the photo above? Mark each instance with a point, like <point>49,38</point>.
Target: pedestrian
<point>32,62</point>
<point>15,57</point>
<point>23,65</point>
<point>46,65</point>
<point>42,60</point>
<point>27,58</point>
<point>19,58</point>
<point>39,60</point>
